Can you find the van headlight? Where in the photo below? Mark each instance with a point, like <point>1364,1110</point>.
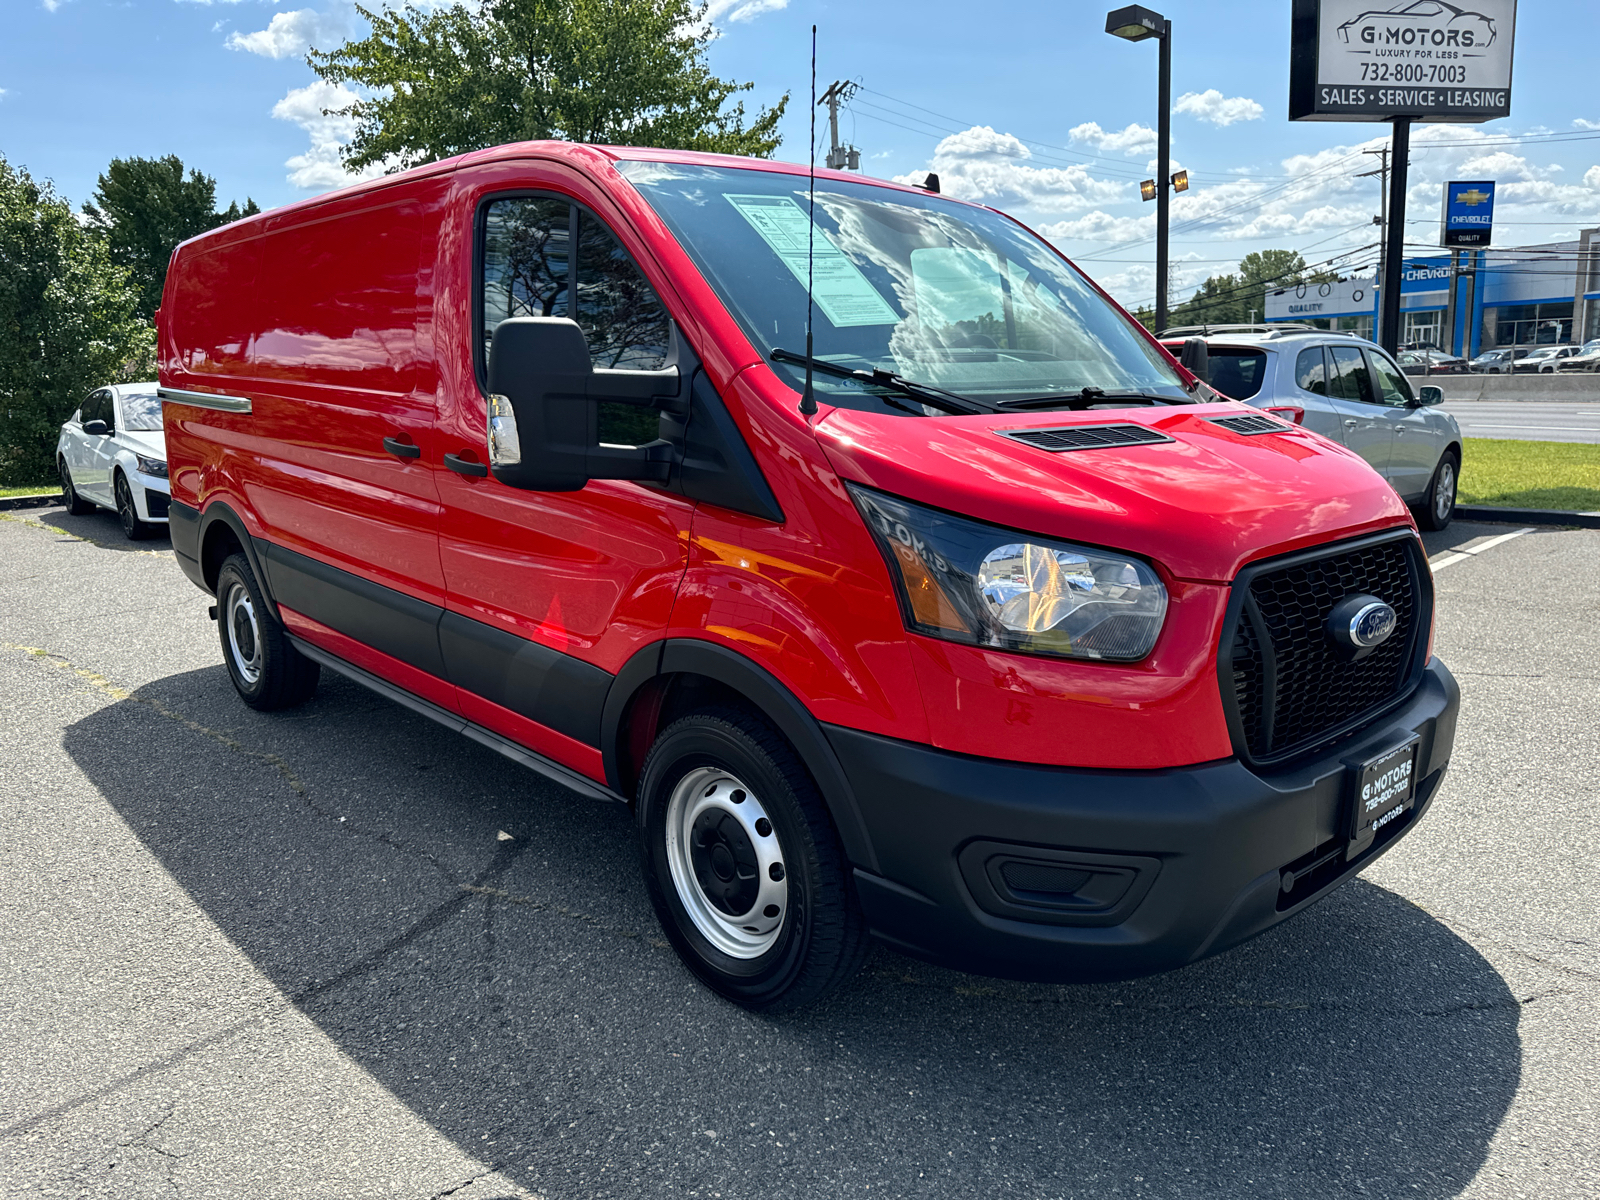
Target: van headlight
<point>965,581</point>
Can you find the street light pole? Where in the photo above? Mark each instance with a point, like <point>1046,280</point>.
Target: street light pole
<point>1137,23</point>
<point>1163,174</point>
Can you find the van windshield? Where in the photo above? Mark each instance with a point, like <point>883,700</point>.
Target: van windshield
<point>938,292</point>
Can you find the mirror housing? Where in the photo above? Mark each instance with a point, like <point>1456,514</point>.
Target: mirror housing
<point>96,428</point>
<point>1429,394</point>
<point>1196,358</point>
<point>544,406</point>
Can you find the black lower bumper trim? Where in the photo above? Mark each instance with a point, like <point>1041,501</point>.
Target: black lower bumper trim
<point>1202,851</point>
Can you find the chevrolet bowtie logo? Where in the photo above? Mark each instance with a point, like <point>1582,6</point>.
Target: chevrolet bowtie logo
<point>1471,198</point>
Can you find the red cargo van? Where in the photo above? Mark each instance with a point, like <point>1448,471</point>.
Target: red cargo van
<point>987,630</point>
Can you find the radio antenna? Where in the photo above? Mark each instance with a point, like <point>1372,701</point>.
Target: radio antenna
<point>808,399</point>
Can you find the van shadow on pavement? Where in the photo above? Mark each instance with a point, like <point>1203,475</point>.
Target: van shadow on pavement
<point>517,995</point>
<point>101,528</point>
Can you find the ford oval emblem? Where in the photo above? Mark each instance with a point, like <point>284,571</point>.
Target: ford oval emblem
<point>1358,625</point>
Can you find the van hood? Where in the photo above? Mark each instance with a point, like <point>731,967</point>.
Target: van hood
<point>1201,505</point>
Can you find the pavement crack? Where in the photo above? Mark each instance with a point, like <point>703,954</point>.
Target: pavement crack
<point>451,1191</point>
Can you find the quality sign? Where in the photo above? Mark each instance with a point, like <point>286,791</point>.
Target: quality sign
<point>1468,214</point>
<point>1375,60</point>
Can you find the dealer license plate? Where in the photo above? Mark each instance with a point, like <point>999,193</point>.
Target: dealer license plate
<point>1385,787</point>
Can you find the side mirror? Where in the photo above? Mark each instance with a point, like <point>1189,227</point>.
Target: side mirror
<point>1196,358</point>
<point>544,410</point>
<point>95,428</point>
<point>1429,394</point>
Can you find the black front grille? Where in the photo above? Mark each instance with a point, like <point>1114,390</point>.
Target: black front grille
<point>1086,437</point>
<point>1288,685</point>
<point>156,502</point>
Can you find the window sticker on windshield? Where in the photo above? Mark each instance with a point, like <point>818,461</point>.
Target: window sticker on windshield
<point>840,290</point>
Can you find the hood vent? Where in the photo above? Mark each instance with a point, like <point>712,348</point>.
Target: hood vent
<point>1249,425</point>
<point>1086,437</point>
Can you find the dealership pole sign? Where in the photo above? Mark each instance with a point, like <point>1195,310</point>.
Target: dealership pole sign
<point>1426,60</point>
<point>1468,218</point>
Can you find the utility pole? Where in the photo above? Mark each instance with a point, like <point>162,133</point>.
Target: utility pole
<point>840,158</point>
<point>1382,219</point>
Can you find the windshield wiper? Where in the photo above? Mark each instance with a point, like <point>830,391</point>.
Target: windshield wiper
<point>1088,397</point>
<point>926,393</point>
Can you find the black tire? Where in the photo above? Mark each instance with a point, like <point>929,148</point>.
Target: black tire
<point>76,504</point>
<point>267,672</point>
<point>1439,501</point>
<point>817,938</point>
<point>136,529</point>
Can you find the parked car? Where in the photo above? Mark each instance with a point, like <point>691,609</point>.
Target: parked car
<point>1351,392</point>
<point>1588,359</point>
<point>1545,360</point>
<point>112,454</point>
<point>1427,362</point>
<point>1498,362</point>
<point>984,628</point>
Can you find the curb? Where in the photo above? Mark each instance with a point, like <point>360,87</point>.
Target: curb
<point>40,501</point>
<point>1528,516</point>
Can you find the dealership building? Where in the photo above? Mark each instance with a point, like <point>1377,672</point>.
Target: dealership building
<point>1468,301</point>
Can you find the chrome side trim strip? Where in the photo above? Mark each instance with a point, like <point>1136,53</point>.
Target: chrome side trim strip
<point>239,404</point>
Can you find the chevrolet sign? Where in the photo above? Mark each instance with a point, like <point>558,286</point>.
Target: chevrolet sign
<point>1468,214</point>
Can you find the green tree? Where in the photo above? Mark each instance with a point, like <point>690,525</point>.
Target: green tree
<point>1236,299</point>
<point>69,320</point>
<point>144,207</point>
<point>458,78</point>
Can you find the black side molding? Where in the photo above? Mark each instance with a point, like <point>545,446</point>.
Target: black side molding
<point>183,526</point>
<point>401,626</point>
<point>556,690</point>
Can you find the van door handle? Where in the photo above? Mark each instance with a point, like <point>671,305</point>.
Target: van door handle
<point>462,467</point>
<point>401,449</point>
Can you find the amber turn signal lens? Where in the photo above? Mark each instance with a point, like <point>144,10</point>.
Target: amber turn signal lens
<point>929,603</point>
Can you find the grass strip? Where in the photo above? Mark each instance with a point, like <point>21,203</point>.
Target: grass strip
<point>39,489</point>
<point>1515,474</point>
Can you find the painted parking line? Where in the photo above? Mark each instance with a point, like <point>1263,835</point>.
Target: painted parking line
<point>1454,556</point>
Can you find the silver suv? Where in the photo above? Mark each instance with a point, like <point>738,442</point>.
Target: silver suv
<point>1350,391</point>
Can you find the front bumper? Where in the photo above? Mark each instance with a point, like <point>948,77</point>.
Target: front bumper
<point>1177,864</point>
<point>152,497</point>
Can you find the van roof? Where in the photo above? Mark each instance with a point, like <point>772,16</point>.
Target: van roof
<point>577,153</point>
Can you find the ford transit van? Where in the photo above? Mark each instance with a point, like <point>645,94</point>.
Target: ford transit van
<point>897,579</point>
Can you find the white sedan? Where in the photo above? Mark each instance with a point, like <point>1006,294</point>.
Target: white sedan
<point>113,454</point>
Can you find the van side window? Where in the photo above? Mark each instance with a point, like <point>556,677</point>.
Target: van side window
<point>617,310</point>
<point>1351,380</point>
<point>1311,371</point>
<point>525,260</point>
<point>529,270</point>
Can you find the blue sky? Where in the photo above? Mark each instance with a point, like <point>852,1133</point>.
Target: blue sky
<point>1029,106</point>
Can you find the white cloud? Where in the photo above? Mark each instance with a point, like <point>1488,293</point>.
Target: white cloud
<point>1212,106</point>
<point>1135,139</point>
<point>1591,179</point>
<point>291,34</point>
<point>742,10</point>
<point>1582,123</point>
<point>319,168</point>
<point>991,168</point>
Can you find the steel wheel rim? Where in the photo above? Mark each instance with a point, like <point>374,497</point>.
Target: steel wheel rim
<point>1444,499</point>
<point>244,634</point>
<point>709,811</point>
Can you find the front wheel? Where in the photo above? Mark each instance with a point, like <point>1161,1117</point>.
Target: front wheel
<point>136,529</point>
<point>1439,504</point>
<point>743,864</point>
<point>267,671</point>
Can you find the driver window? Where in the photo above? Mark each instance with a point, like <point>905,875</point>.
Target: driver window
<point>1392,386</point>
<point>1351,380</point>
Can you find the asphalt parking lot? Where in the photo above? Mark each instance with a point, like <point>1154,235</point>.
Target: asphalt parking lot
<point>292,955</point>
